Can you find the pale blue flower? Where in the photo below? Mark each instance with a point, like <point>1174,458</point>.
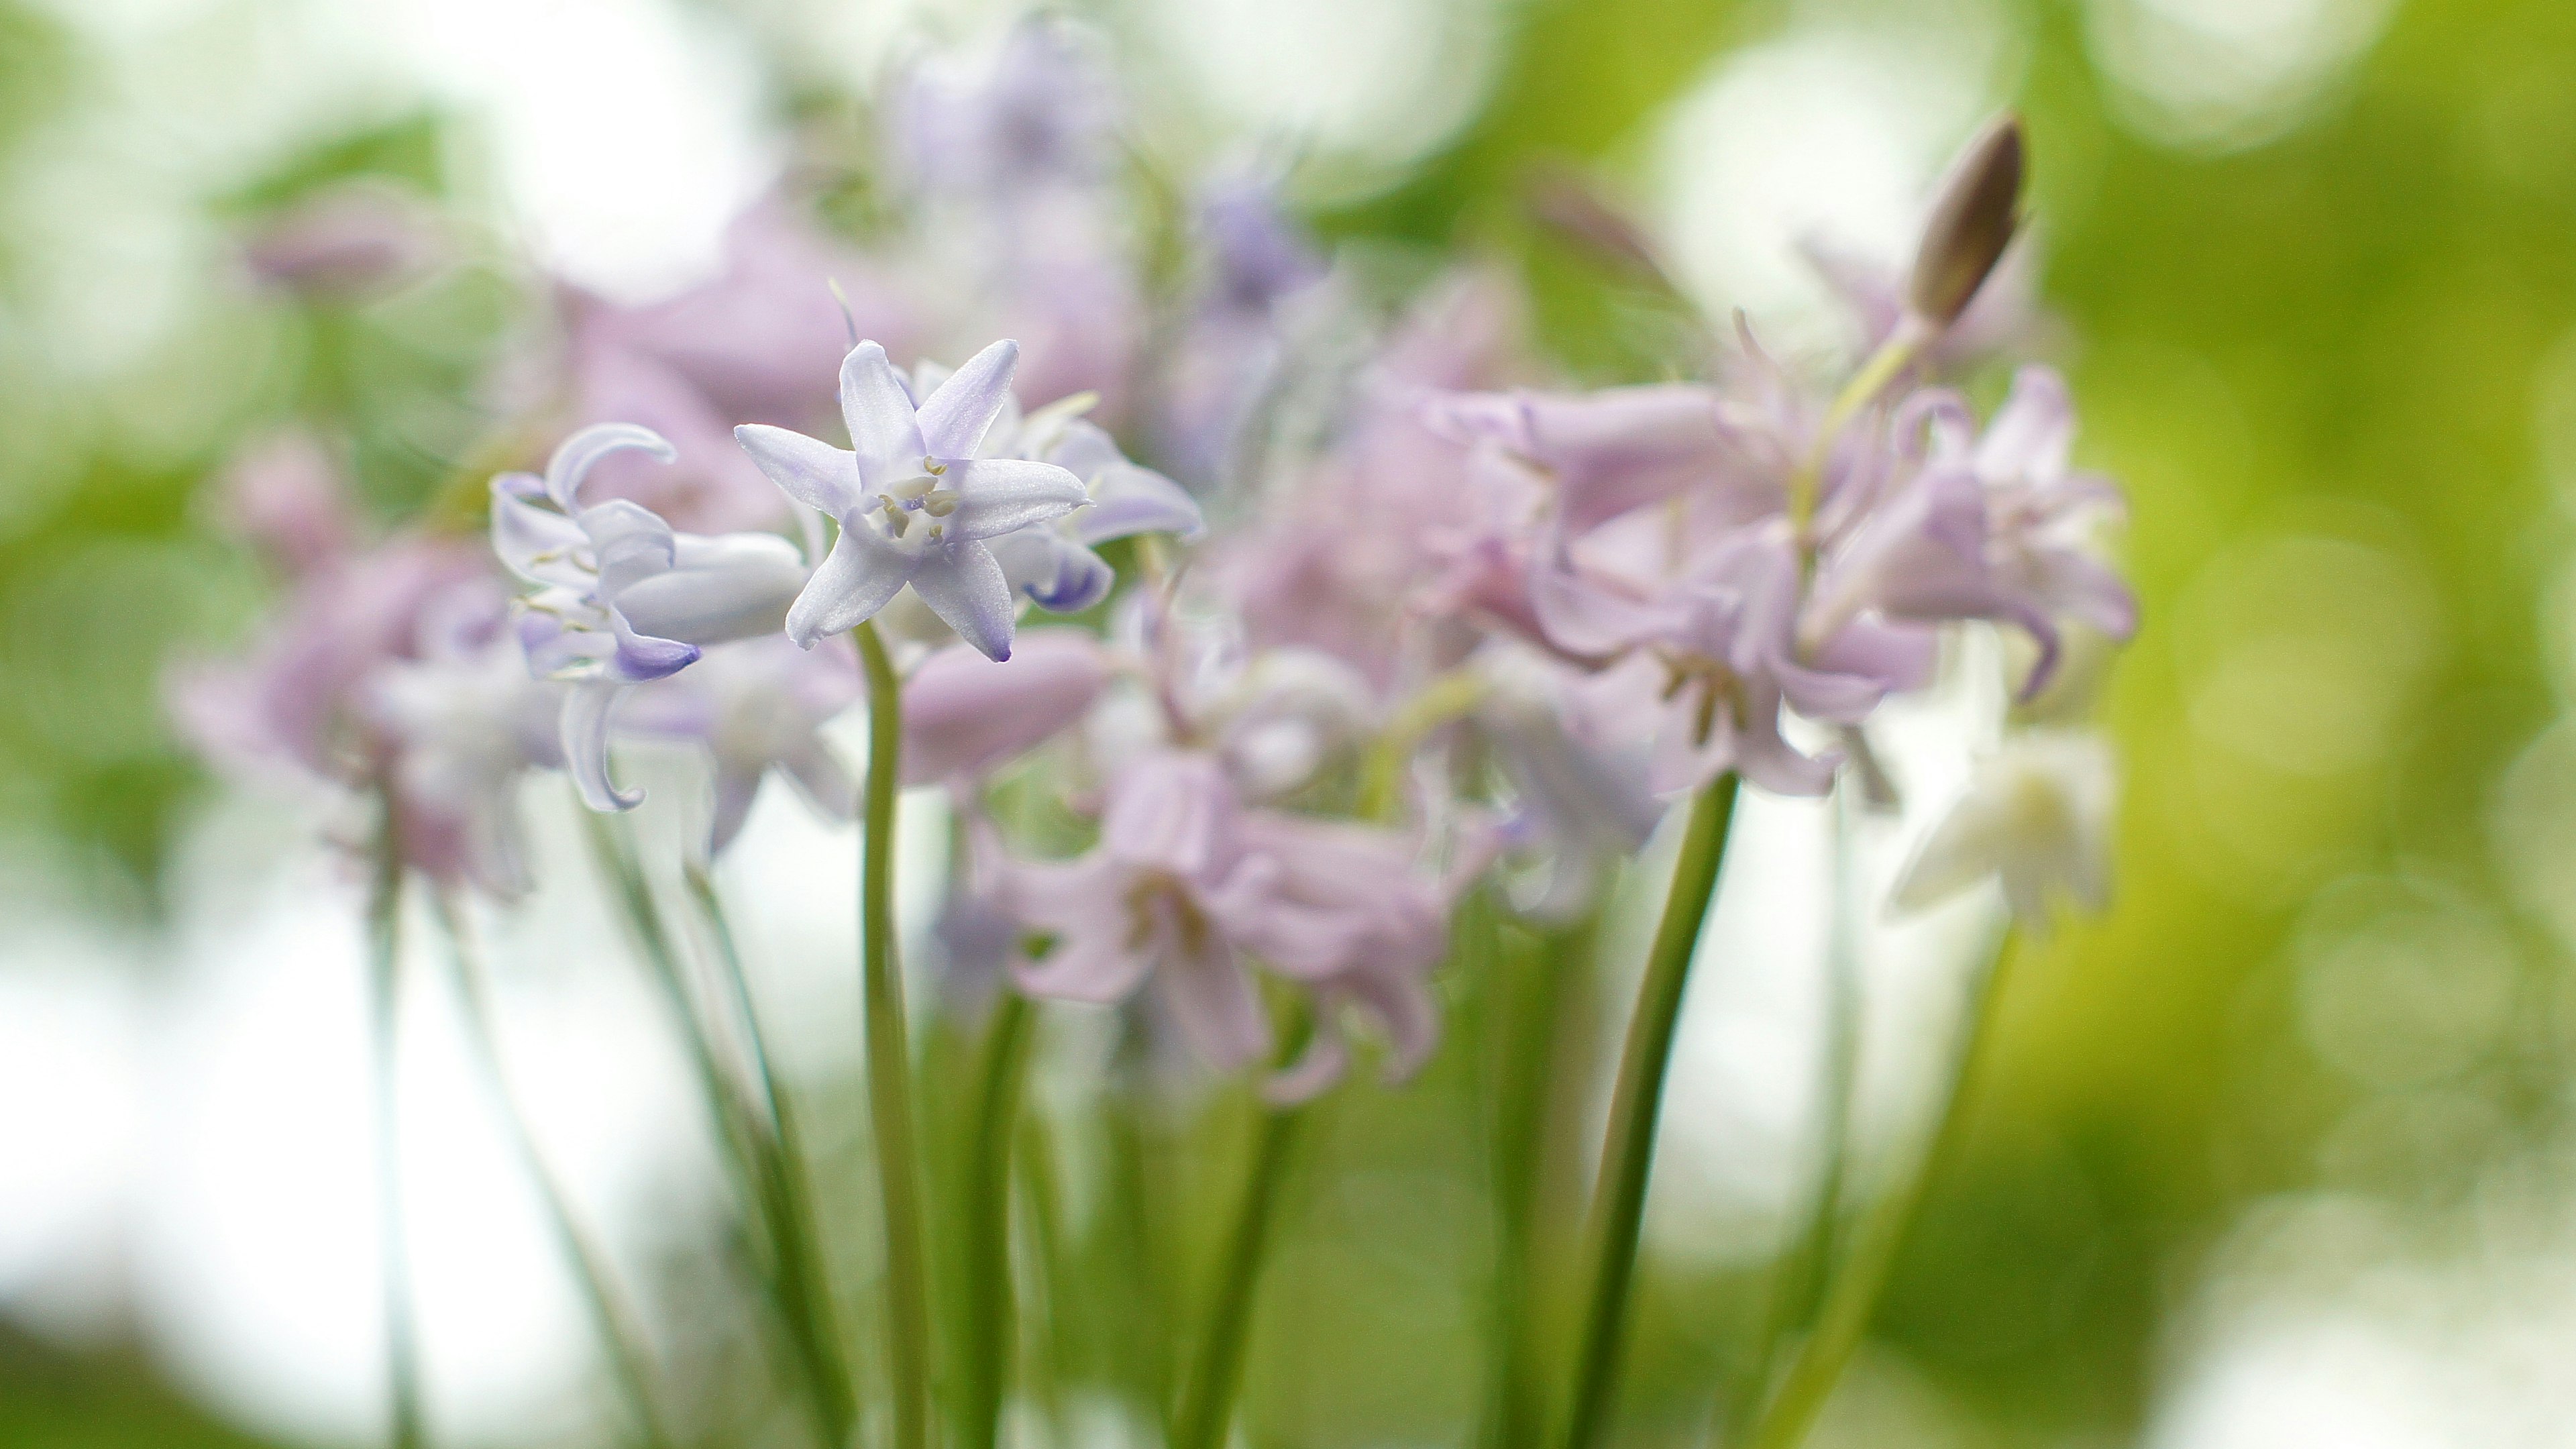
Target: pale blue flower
<point>623,597</point>
<point>1054,563</point>
<point>915,503</point>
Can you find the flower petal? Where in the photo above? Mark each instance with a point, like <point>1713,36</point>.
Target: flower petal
<point>808,470</point>
<point>574,456</point>
<point>862,573</point>
<point>1058,574</point>
<point>727,587</point>
<point>585,747</point>
<point>538,544</point>
<point>878,411</point>
<point>1126,499</point>
<point>1003,495</point>
<point>965,588</point>
<point>630,541</point>
<point>954,419</point>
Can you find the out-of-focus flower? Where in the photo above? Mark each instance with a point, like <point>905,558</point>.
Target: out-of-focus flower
<point>758,707</point>
<point>1994,527</point>
<point>623,598</point>
<point>1041,111</point>
<point>1153,903</point>
<point>963,714</point>
<point>1233,345</point>
<point>1975,213</point>
<point>2037,816</point>
<point>915,503</point>
<point>2003,319</point>
<point>465,723</point>
<point>1581,798</point>
<point>284,495</point>
<point>346,244</point>
<point>1054,563</point>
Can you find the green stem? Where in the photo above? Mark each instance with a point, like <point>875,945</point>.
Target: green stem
<point>751,1153</point>
<point>610,1315</point>
<point>1627,1154</point>
<point>384,987</point>
<point>1531,1005</point>
<point>989,1327</point>
<point>803,1272</point>
<point>1215,1372</point>
<point>1853,1299</point>
<point>890,1059</point>
<point>1884,366</point>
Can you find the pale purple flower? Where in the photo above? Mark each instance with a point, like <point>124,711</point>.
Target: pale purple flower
<point>1579,773</point>
<point>623,598</point>
<point>1042,110</point>
<point>963,714</point>
<point>465,723</point>
<point>1232,349</point>
<point>285,495</point>
<point>915,502</point>
<point>1996,527</point>
<point>345,244</point>
<point>1054,563</point>
<point>758,707</point>
<point>2036,816</point>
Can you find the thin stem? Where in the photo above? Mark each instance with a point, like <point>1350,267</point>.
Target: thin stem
<point>384,988</point>
<point>989,1318</point>
<point>1853,1299</point>
<point>1532,994</point>
<point>610,1315</point>
<point>1805,1264</point>
<point>890,1059</point>
<point>1884,366</point>
<point>1215,1371</point>
<point>1627,1153</point>
<point>751,1153</point>
<point>804,1272</point>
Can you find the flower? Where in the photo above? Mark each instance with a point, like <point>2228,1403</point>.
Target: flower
<point>963,714</point>
<point>623,598</point>
<point>914,502</point>
<point>1054,563</point>
<point>2037,816</point>
<point>758,707</point>
<point>465,721</point>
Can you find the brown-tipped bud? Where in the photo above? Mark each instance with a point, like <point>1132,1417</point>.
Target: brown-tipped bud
<point>1565,201</point>
<point>1972,222</point>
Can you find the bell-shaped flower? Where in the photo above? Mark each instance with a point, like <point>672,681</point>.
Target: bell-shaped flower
<point>624,598</point>
<point>2037,816</point>
<point>1156,902</point>
<point>758,707</point>
<point>1994,527</point>
<point>1054,563</point>
<point>1580,800</point>
<point>963,714</point>
<point>915,502</point>
<point>463,724</point>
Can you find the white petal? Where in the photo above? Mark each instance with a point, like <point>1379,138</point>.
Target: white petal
<point>1002,495</point>
<point>575,456</point>
<point>863,572</point>
<point>954,419</point>
<point>878,410</point>
<point>735,586</point>
<point>964,587</point>
<point>585,747</point>
<point>538,544</point>
<point>808,470</point>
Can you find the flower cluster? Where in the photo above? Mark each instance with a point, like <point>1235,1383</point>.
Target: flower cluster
<point>1468,630</point>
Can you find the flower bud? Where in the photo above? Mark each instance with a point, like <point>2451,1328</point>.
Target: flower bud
<point>1971,223</point>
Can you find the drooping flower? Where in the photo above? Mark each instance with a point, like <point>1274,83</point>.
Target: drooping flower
<point>623,598</point>
<point>2037,817</point>
<point>964,714</point>
<point>758,707</point>
<point>1054,563</point>
<point>914,502</point>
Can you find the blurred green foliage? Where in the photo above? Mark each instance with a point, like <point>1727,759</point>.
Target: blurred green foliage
<point>2321,366</point>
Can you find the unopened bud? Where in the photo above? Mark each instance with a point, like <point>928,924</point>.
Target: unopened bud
<point>1972,222</point>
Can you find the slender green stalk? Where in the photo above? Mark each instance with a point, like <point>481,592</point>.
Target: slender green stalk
<point>796,1291</point>
<point>1215,1370</point>
<point>384,990</point>
<point>990,1334</point>
<point>1530,993</point>
<point>803,1271</point>
<point>890,1059</point>
<point>1627,1153</point>
<point>1808,1258</point>
<point>610,1315</point>
<point>1853,1299</point>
